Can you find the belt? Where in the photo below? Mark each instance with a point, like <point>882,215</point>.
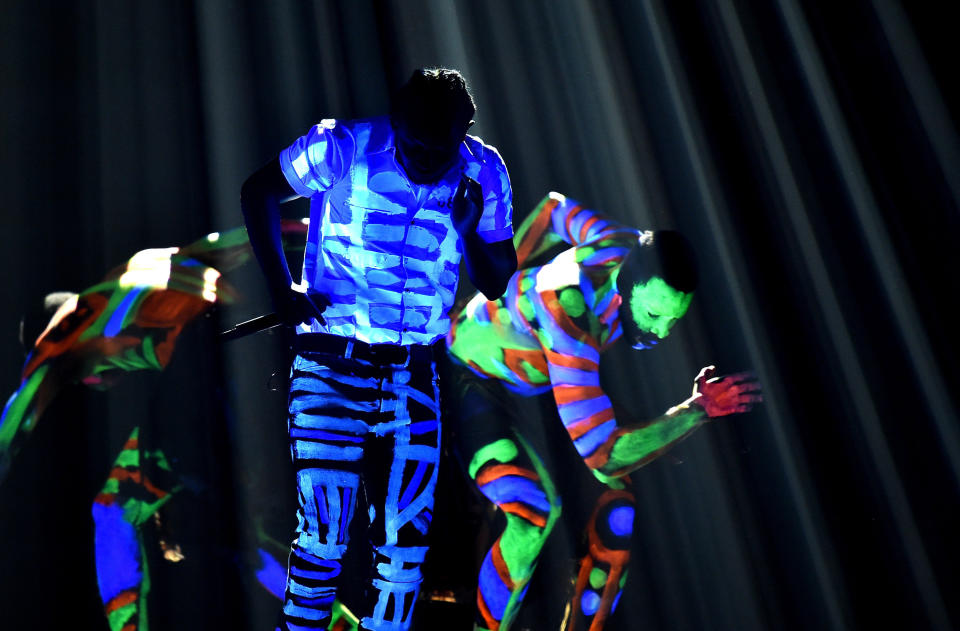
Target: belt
<point>349,348</point>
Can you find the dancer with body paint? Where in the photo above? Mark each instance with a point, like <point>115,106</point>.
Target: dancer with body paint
<point>394,202</point>
<point>130,321</point>
<point>546,334</point>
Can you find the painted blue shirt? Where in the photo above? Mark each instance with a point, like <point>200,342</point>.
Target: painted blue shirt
<point>381,248</point>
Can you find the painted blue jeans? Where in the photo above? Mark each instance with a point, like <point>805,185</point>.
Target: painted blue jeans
<point>360,427</point>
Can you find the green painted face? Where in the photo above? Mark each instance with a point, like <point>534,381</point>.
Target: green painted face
<point>655,307</point>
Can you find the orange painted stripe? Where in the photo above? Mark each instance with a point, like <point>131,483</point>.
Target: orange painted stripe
<point>533,235</point>
<point>601,454</point>
<point>522,510</point>
<point>571,394</point>
<point>480,370</point>
<point>492,623</point>
<point>496,555</point>
<point>130,444</point>
<point>106,499</point>
<point>615,303</point>
<point>121,600</point>
<point>581,427</point>
<point>586,227</point>
<point>571,214</point>
<point>582,576</point>
<point>492,312</point>
<point>147,484</point>
<point>610,590</point>
<point>570,361</point>
<point>494,472</point>
<point>119,473</point>
<point>513,358</point>
<point>562,318</point>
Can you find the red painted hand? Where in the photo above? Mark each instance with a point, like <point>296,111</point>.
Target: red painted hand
<point>720,396</point>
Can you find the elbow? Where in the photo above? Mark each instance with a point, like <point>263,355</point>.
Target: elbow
<point>496,286</point>
<point>494,291</point>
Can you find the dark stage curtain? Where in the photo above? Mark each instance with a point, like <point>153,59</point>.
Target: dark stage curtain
<point>809,149</point>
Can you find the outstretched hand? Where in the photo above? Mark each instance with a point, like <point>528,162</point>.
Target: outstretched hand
<point>467,206</point>
<point>295,307</point>
<point>721,396</point>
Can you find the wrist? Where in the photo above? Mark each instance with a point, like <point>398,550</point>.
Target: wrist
<point>691,405</point>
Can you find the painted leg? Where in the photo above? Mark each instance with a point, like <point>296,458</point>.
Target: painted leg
<point>603,570</point>
<point>326,440</point>
<point>127,501</point>
<point>400,474</point>
<point>512,476</point>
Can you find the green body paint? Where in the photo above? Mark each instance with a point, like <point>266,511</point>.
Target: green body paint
<point>503,450</point>
<point>521,541</point>
<point>17,413</point>
<point>656,306</point>
<point>598,578</point>
<point>572,302</point>
<point>638,446</point>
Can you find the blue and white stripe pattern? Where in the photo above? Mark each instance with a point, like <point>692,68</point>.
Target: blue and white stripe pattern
<point>351,421</point>
<point>381,248</point>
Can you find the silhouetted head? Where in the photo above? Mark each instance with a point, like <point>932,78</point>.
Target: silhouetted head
<point>656,283</point>
<point>431,114</point>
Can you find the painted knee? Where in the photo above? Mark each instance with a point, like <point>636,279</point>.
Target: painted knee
<point>395,587</point>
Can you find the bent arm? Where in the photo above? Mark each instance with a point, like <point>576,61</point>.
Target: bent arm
<point>607,448</point>
<point>260,200</point>
<point>557,219</point>
<point>489,265</point>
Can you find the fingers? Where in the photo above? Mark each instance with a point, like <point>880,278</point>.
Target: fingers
<point>319,299</point>
<point>742,377</point>
<point>706,373</point>
<point>470,189</point>
<point>461,187</point>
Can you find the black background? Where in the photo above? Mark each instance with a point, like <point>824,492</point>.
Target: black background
<point>809,149</point>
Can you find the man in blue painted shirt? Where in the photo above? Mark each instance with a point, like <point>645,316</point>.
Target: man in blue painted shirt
<point>395,201</point>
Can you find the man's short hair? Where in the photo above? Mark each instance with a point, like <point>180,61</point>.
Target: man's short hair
<point>664,253</point>
<point>435,96</point>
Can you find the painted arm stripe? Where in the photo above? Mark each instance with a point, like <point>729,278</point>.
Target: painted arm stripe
<point>604,256</point>
<point>585,228</point>
<point>562,319</point>
<point>581,427</point>
<point>589,442</point>
<point>492,312</point>
<point>565,393</point>
<point>571,361</point>
<point>576,410</point>
<point>572,376</point>
<point>493,472</point>
<point>571,214</point>
<point>532,238</point>
<point>611,309</point>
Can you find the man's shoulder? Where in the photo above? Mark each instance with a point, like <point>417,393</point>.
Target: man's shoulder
<point>484,154</point>
<point>373,133</point>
